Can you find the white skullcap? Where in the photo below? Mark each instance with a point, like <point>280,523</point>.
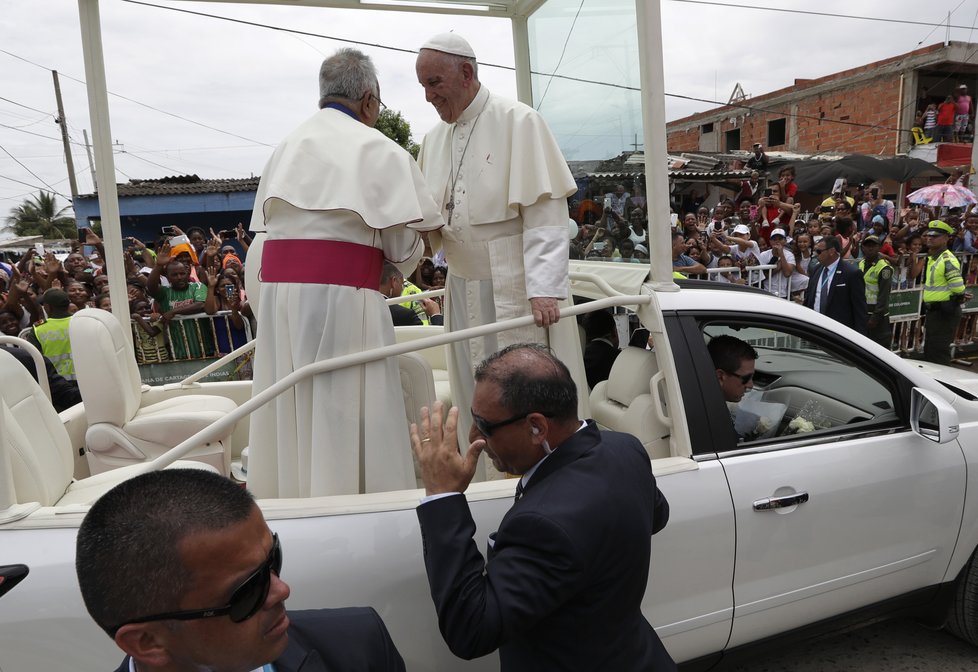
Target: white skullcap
<point>450,43</point>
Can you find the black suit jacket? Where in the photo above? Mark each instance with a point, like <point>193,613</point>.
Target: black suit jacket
<point>405,317</point>
<point>353,639</point>
<point>847,295</point>
<point>567,569</point>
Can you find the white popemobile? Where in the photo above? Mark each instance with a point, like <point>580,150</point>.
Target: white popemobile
<point>855,496</point>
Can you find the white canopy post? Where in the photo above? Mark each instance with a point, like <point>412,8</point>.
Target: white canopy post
<point>521,56</point>
<point>108,198</point>
<point>649,22</point>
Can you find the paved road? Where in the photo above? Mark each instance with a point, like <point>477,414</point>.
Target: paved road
<point>899,646</point>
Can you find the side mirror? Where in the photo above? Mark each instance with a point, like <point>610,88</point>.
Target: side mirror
<point>10,576</point>
<point>932,417</point>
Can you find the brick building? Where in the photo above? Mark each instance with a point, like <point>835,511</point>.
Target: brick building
<point>883,95</point>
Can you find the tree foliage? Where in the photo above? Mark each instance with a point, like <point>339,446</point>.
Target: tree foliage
<point>40,216</point>
<point>396,127</point>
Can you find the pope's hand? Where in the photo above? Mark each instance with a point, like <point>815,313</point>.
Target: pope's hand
<point>436,447</point>
<point>545,310</point>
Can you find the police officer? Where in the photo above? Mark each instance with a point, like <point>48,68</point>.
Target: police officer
<point>878,276</point>
<point>943,293</point>
<point>50,335</point>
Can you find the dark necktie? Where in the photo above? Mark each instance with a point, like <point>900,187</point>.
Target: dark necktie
<point>823,300</point>
<point>519,491</point>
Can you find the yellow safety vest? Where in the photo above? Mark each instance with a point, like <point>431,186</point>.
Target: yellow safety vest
<point>676,275</point>
<point>872,279</point>
<point>410,289</point>
<point>942,278</point>
<point>52,334</point>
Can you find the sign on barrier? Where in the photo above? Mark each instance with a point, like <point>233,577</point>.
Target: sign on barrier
<point>905,305</point>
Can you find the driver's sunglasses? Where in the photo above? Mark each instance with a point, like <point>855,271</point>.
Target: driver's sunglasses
<point>246,600</point>
<point>744,378</point>
<point>486,428</point>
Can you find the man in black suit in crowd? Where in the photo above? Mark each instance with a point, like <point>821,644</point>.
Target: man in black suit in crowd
<point>180,569</point>
<point>567,570</point>
<point>391,285</point>
<point>837,289</point>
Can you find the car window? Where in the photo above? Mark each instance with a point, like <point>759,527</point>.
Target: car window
<point>800,385</point>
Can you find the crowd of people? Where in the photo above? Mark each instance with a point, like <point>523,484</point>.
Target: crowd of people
<point>761,237</point>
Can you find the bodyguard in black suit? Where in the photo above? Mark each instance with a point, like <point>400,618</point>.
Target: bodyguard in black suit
<point>180,569</point>
<point>567,569</point>
<point>841,295</point>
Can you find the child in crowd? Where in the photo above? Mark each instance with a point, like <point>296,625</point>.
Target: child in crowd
<point>149,336</point>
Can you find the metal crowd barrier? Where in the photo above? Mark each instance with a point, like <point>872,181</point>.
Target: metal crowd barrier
<point>189,338</point>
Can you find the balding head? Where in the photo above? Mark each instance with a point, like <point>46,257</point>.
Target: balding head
<point>531,378</point>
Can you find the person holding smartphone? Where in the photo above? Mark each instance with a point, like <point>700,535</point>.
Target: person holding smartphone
<point>875,205</point>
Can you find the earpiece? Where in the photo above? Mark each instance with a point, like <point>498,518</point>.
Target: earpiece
<point>535,431</point>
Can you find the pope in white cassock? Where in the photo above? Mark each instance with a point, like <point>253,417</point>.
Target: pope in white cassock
<point>502,183</point>
<point>336,199</point>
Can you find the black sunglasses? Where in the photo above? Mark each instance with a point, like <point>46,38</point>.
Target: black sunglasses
<point>818,251</point>
<point>245,601</point>
<point>744,378</point>
<point>486,428</point>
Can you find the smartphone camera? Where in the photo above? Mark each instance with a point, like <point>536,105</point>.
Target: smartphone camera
<point>768,191</point>
<point>169,230</point>
<point>227,234</point>
<point>229,291</point>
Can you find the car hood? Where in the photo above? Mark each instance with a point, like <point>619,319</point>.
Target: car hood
<point>963,378</point>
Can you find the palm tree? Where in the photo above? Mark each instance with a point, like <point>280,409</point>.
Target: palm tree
<point>40,216</point>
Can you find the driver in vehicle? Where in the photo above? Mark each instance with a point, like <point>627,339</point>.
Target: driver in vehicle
<point>734,362</point>
<point>158,554</point>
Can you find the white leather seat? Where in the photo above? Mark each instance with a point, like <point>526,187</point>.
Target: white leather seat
<point>120,430</point>
<point>624,402</point>
<point>436,357</point>
<point>38,449</point>
<point>418,388</point>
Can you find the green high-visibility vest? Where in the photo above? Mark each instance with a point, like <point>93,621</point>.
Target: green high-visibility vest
<point>872,279</point>
<point>942,278</point>
<point>410,289</point>
<point>52,334</point>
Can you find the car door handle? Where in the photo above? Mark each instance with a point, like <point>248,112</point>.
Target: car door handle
<point>769,503</point>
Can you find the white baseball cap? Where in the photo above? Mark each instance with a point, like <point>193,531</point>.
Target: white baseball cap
<point>742,228</point>
<point>779,232</point>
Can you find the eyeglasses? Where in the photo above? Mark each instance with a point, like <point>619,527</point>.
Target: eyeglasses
<point>744,378</point>
<point>379,102</point>
<point>486,428</point>
<point>819,250</point>
<point>245,601</point>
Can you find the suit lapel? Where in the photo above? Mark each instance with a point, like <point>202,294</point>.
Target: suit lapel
<point>297,659</point>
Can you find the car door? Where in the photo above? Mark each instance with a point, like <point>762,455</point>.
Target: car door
<point>853,508</point>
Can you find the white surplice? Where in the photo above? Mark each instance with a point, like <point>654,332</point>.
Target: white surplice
<point>341,432</point>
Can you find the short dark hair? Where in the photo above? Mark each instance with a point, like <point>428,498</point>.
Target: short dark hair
<point>127,556</point>
<point>597,324</point>
<point>532,380</point>
<point>832,242</point>
<point>389,271</point>
<point>728,352</point>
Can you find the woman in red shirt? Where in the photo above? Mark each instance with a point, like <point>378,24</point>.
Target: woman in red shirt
<point>945,121</point>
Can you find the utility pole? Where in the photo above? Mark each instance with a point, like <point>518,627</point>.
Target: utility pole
<point>64,137</point>
<point>91,164</point>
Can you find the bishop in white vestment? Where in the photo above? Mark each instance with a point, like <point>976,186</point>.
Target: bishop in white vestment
<point>336,199</point>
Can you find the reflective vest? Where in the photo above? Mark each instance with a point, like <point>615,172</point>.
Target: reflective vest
<point>942,278</point>
<point>416,306</point>
<point>676,275</point>
<point>872,278</point>
<point>52,334</point>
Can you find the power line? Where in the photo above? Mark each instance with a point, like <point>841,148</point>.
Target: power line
<point>563,51</point>
<point>831,15</point>
<point>46,137</point>
<point>26,184</point>
<point>21,164</point>
<point>146,105</point>
<point>26,107</point>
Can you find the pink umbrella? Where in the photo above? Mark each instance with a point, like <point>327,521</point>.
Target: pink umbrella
<point>943,195</point>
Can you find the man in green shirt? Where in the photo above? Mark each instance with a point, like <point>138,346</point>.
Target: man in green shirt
<point>190,339</point>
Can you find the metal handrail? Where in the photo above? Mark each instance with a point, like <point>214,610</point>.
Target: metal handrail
<point>224,425</point>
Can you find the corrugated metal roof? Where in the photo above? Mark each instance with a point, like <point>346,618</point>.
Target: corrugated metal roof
<point>179,185</point>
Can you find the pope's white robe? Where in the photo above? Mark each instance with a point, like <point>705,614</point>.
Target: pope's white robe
<point>341,432</point>
<point>507,238</point>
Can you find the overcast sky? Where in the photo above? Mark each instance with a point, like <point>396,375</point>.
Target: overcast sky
<point>252,85</point>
